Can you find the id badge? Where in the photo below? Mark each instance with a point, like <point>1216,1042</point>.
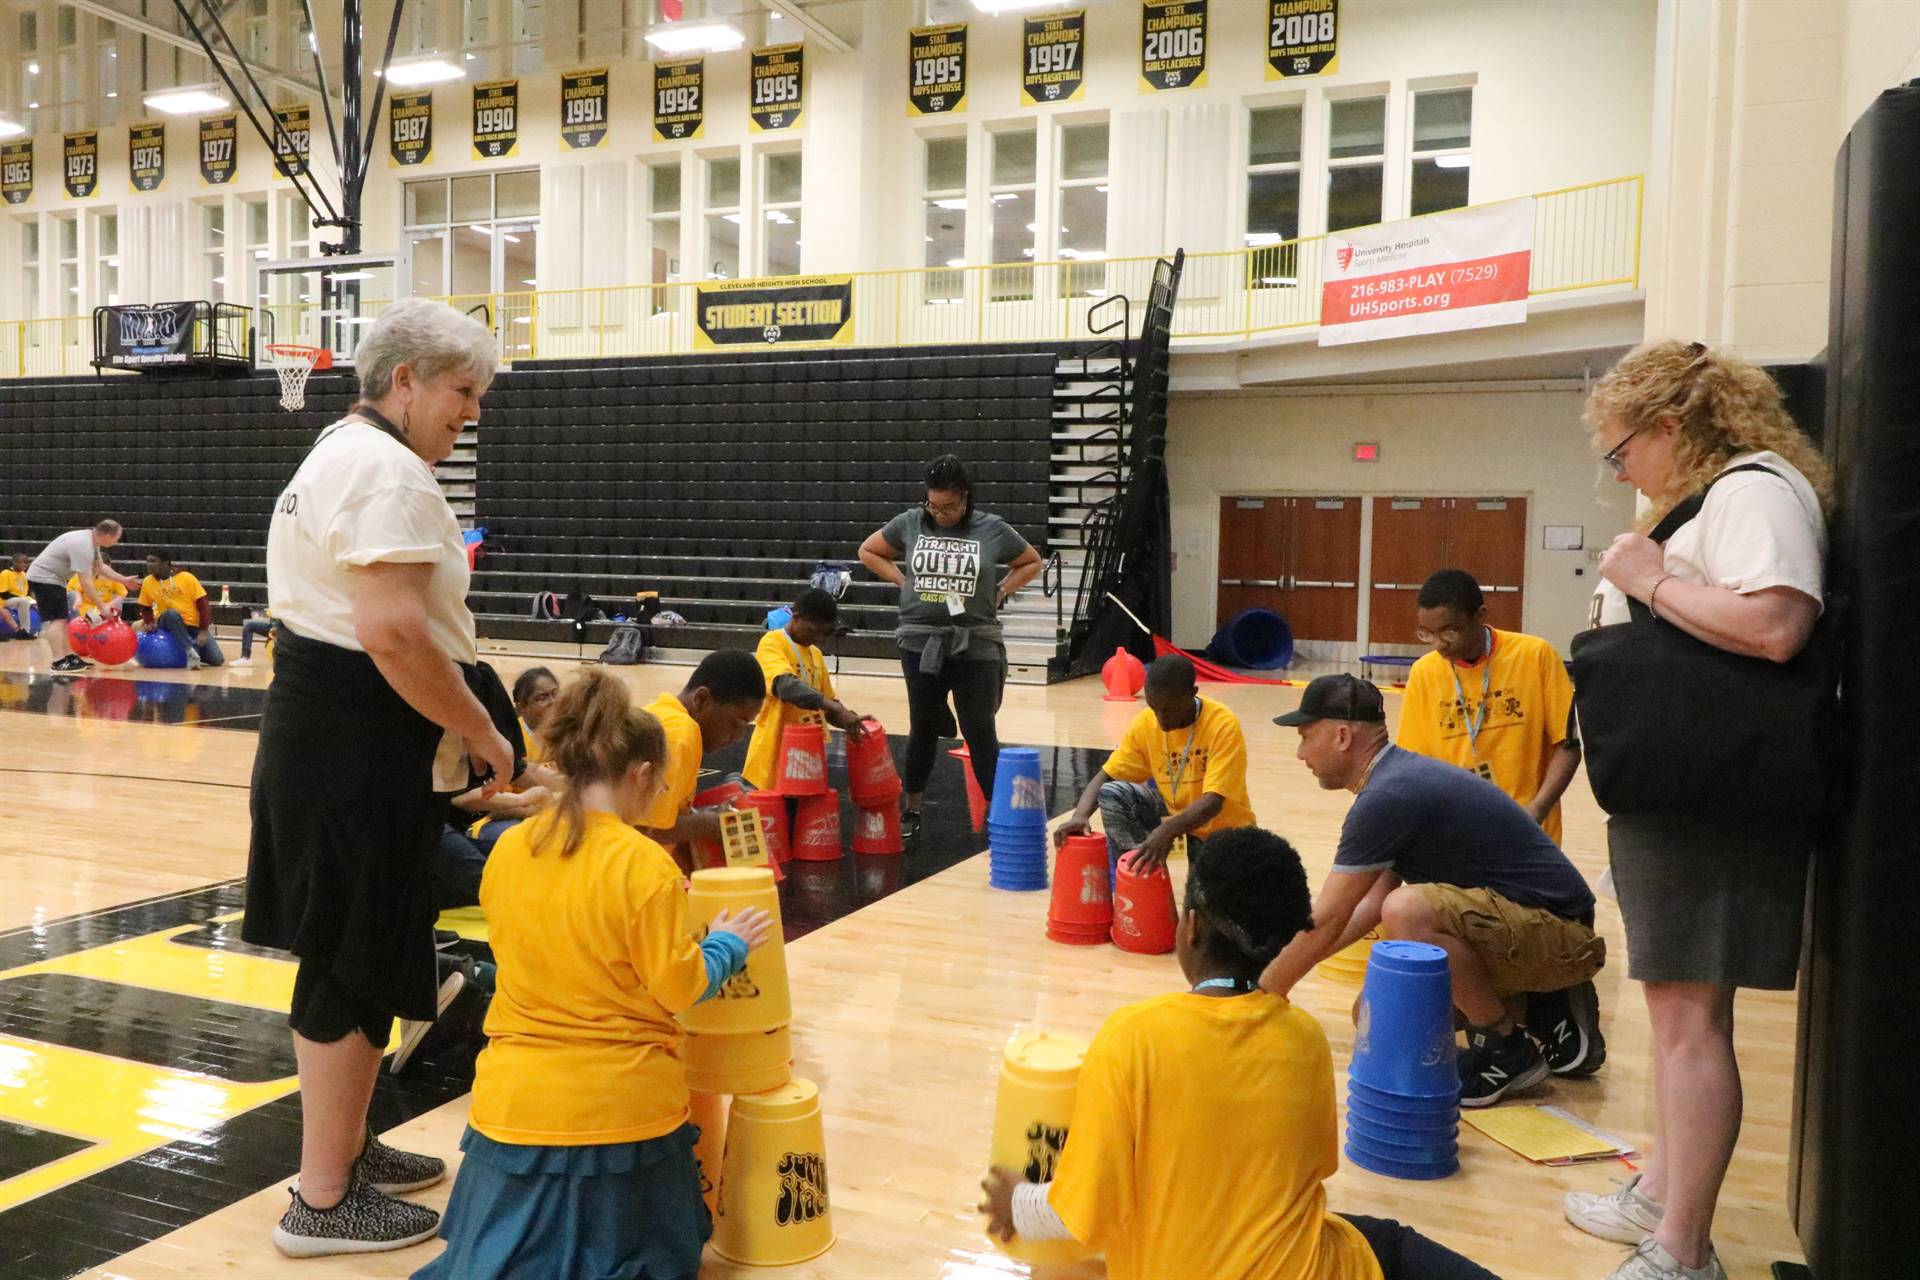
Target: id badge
<point>956,603</point>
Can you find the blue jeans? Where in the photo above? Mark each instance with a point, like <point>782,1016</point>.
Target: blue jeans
<point>249,629</point>
<point>174,625</point>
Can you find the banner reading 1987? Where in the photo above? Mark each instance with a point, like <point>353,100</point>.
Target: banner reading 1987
<point>80,156</point>
<point>292,141</point>
<point>1173,43</point>
<point>937,69</point>
<point>219,136</point>
<point>147,155</point>
<point>410,128</point>
<point>777,77</point>
<point>583,108</point>
<point>1303,38</point>
<point>496,119</point>
<point>16,170</point>
<point>784,312</point>
<point>680,99</point>
<point>1054,52</point>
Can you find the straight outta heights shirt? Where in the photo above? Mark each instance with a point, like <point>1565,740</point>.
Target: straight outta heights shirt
<point>952,575</point>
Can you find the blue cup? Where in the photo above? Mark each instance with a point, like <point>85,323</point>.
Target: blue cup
<point>1397,1104</point>
<point>1438,1153</point>
<point>1404,1041</point>
<point>1386,1137</point>
<point>1019,792</point>
<point>1434,1124</point>
<point>1410,1170</point>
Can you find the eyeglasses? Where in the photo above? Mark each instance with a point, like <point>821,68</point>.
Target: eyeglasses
<point>947,508</point>
<point>1612,456</point>
<point>543,696</point>
<point>1449,636</point>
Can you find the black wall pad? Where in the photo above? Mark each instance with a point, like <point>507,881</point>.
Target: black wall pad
<point>1858,1085</point>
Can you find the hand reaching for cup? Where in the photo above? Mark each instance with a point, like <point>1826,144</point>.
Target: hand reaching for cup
<point>751,925</point>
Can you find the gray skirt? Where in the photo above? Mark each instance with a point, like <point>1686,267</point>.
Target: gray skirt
<point>1708,901</point>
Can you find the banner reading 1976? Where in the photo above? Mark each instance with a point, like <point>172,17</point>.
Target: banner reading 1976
<point>496,119</point>
<point>80,156</point>
<point>680,99</point>
<point>583,108</point>
<point>1173,43</point>
<point>777,77</point>
<point>1303,38</point>
<point>147,155</point>
<point>410,128</point>
<point>1054,52</point>
<point>784,312</point>
<point>937,69</point>
<point>292,141</point>
<point>219,136</point>
<point>16,171</point>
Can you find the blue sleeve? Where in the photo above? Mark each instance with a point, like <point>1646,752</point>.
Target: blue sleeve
<point>726,955</point>
<point>1371,838</point>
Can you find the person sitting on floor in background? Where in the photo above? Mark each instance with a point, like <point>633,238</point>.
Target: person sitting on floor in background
<point>1172,1174</point>
<point>1180,773</point>
<point>711,713</point>
<point>16,600</point>
<point>168,598</point>
<point>1436,854</point>
<point>254,624</point>
<point>111,595</point>
<point>490,816</point>
<point>799,689</point>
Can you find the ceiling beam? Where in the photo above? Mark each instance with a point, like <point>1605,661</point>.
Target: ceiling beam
<point>154,31</point>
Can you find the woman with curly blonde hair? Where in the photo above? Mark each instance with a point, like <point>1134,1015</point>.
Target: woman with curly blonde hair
<point>1710,904</point>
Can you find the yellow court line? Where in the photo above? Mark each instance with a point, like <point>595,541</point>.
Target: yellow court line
<point>156,963</point>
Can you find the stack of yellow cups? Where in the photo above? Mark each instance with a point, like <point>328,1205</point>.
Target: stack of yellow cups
<point>1350,963</point>
<point>1039,1079</point>
<point>738,1041</point>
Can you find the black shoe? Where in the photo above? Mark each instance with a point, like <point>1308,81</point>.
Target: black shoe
<point>1567,1024</point>
<point>463,1011</point>
<point>444,938</point>
<point>1494,1066</point>
<point>910,826</point>
<point>72,662</point>
<point>365,1221</point>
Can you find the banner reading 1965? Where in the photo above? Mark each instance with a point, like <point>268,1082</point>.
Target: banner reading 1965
<point>80,154</point>
<point>774,313</point>
<point>937,69</point>
<point>1173,43</point>
<point>410,128</point>
<point>16,171</point>
<point>680,99</point>
<point>583,108</point>
<point>777,75</point>
<point>1054,49</point>
<point>292,141</point>
<point>496,119</point>
<point>147,155</point>
<point>1303,38</point>
<point>219,136</point>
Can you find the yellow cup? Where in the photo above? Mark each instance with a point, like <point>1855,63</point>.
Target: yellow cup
<point>756,998</point>
<point>773,1208</point>
<point>749,1062</point>
<point>709,1112</point>
<point>1350,963</point>
<point>1039,1078</point>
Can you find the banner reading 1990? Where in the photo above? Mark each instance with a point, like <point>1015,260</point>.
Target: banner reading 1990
<point>1173,44</point>
<point>80,154</point>
<point>770,313</point>
<point>410,128</point>
<point>16,170</point>
<point>218,138</point>
<point>937,69</point>
<point>496,119</point>
<point>147,155</point>
<point>1303,38</point>
<point>292,141</point>
<point>777,76</point>
<point>680,99</point>
<point>583,108</point>
<point>1054,49</point>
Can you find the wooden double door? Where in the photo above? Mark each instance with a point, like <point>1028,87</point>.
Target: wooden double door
<point>1299,557</point>
<point>1413,537</point>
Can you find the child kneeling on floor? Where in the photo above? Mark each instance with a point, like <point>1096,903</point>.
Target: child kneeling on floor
<point>578,1152</point>
<point>1204,1127</point>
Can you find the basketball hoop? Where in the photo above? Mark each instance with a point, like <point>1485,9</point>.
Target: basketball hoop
<point>293,362</point>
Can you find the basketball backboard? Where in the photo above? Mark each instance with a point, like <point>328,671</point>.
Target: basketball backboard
<point>326,302</point>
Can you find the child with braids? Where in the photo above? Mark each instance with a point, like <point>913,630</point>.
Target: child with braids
<point>578,1152</point>
<point>1204,1128</point>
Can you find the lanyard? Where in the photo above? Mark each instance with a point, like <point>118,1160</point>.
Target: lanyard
<point>1477,722</point>
<point>1177,771</point>
<point>800,660</point>
<point>1231,984</point>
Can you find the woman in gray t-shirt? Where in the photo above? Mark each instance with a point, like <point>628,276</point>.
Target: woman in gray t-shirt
<point>945,556</point>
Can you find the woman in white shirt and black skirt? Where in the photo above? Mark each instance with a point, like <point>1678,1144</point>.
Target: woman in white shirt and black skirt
<point>369,715</point>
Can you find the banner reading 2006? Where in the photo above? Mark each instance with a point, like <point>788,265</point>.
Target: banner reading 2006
<point>937,69</point>
<point>768,313</point>
<point>1054,49</point>
<point>218,138</point>
<point>1303,38</point>
<point>777,77</point>
<point>496,119</point>
<point>1173,43</point>
<point>16,170</point>
<point>679,99</point>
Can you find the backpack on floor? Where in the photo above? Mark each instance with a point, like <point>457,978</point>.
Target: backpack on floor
<point>627,648</point>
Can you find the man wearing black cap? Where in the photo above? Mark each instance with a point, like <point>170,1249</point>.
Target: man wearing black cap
<point>1432,853</point>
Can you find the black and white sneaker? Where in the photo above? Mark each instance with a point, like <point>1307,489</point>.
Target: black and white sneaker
<point>1494,1066</point>
<point>910,826</point>
<point>1567,1024</point>
<point>462,1014</point>
<point>393,1172</point>
<point>72,662</point>
<point>365,1221</point>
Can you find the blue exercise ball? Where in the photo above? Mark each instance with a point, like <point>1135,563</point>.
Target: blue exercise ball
<point>159,649</point>
<point>33,619</point>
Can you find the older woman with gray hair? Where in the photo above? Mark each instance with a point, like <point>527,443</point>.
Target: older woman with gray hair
<point>369,715</point>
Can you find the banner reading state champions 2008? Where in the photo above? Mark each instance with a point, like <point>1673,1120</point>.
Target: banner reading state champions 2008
<point>1303,38</point>
<point>789,311</point>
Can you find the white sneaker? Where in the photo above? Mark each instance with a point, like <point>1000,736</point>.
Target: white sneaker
<point>1624,1217</point>
<point>1652,1262</point>
<point>193,661</point>
<point>241,663</point>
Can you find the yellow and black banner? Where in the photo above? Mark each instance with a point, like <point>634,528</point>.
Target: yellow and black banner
<point>293,141</point>
<point>219,139</point>
<point>583,108</point>
<point>409,128</point>
<point>1054,46</point>
<point>937,69</point>
<point>778,76</point>
<point>16,171</point>
<point>496,119</point>
<point>80,154</point>
<point>1173,44</point>
<point>680,99</point>
<point>791,311</point>
<point>147,155</point>
<point>1303,38</point>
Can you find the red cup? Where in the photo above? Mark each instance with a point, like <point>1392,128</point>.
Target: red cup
<point>816,828</point>
<point>802,769</point>
<point>1143,918</point>
<point>1077,937</point>
<point>1082,901</point>
<point>976,798</point>
<point>872,780</point>
<point>774,820</point>
<point>878,830</point>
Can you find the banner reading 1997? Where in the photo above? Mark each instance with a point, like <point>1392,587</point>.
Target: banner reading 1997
<point>680,99</point>
<point>16,170</point>
<point>410,128</point>
<point>218,138</point>
<point>782,313</point>
<point>1173,43</point>
<point>583,108</point>
<point>777,76</point>
<point>1303,38</point>
<point>80,156</point>
<point>1054,49</point>
<point>496,119</point>
<point>147,155</point>
<point>937,69</point>
<point>292,141</point>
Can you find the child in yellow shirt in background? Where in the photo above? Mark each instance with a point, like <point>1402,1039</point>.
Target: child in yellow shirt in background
<point>578,1152</point>
<point>110,594</point>
<point>1204,1128</point>
<point>16,600</point>
<point>799,688</point>
<point>713,711</point>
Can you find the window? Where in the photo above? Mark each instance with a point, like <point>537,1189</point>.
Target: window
<point>296,226</point>
<point>1273,195</point>
<point>66,26</point>
<point>475,19</point>
<point>107,69</point>
<point>780,207</point>
<point>663,230</point>
<point>257,34</point>
<point>29,270</point>
<point>474,236</point>
<point>213,251</point>
<point>106,238</point>
<point>944,201</point>
<point>1442,150</point>
<point>1083,206</point>
<point>67,245</point>
<point>529,26</point>
<point>29,81</point>
<point>1014,228</point>
<point>722,258</point>
<point>1356,161</point>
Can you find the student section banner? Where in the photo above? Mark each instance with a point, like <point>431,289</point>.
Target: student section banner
<point>790,311</point>
<point>496,119</point>
<point>1466,269</point>
<point>147,155</point>
<point>937,69</point>
<point>777,77</point>
<point>219,136</point>
<point>16,171</point>
<point>1054,46</point>
<point>292,141</point>
<point>410,128</point>
<point>1173,44</point>
<point>80,162</point>
<point>583,108</point>
<point>680,99</point>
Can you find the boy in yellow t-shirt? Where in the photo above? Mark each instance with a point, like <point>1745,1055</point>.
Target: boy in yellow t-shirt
<point>169,598</point>
<point>711,714</point>
<point>1180,771</point>
<point>1204,1129</point>
<point>799,689</point>
<point>106,590</point>
<point>16,600</point>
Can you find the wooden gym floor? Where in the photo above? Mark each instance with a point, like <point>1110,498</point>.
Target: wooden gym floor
<point>145,1079</point>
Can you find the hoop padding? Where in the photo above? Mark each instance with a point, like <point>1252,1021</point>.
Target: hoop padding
<point>294,362</point>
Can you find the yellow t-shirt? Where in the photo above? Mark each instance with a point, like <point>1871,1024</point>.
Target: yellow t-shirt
<point>780,655</point>
<point>178,593</point>
<point>684,749</point>
<point>1528,697</point>
<point>15,584</point>
<point>105,588</point>
<point>1208,1110</point>
<point>536,749</point>
<point>1217,763</point>
<point>596,955</point>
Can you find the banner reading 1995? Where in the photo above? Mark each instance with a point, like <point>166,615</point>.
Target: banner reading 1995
<point>583,108</point>
<point>783,313</point>
<point>1173,43</point>
<point>80,153</point>
<point>1303,38</point>
<point>1054,46</point>
<point>496,119</point>
<point>680,99</point>
<point>937,69</point>
<point>147,155</point>
<point>219,136</point>
<point>777,75</point>
<point>410,128</point>
<point>16,170</point>
<point>292,141</point>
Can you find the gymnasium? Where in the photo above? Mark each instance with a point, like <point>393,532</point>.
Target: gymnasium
<point>929,411</point>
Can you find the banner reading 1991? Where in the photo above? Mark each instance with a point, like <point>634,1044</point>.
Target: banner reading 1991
<point>16,170</point>
<point>218,138</point>
<point>785,312</point>
<point>496,119</point>
<point>410,128</point>
<point>680,99</point>
<point>80,156</point>
<point>778,76</point>
<point>1173,44</point>
<point>583,108</point>
<point>1054,49</point>
<point>937,69</point>
<point>292,141</point>
<point>1303,38</point>
<point>147,155</point>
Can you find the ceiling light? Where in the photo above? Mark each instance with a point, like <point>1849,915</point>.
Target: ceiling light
<point>734,218</point>
<point>8,129</point>
<point>259,255</point>
<point>1000,196</point>
<point>33,68</point>
<point>509,239</point>
<point>1453,162</point>
<point>957,203</point>
<point>112,93</point>
<point>1011,6</point>
<point>956,262</point>
<point>431,69</point>
<point>1033,226</point>
<point>698,37</point>
<point>1102,188</point>
<point>186,100</point>
<point>33,106</point>
<point>1255,239</point>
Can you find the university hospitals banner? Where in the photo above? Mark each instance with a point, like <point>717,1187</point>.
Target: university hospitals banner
<point>1466,269</point>
<point>786,312</point>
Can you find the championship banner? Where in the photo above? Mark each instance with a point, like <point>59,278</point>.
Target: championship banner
<point>80,154</point>
<point>141,336</point>
<point>147,155</point>
<point>1303,38</point>
<point>1173,44</point>
<point>496,119</point>
<point>219,135</point>
<point>1055,47</point>
<point>937,69</point>
<point>16,171</point>
<point>680,99</point>
<point>778,76</point>
<point>583,108</point>
<point>793,311</point>
<point>293,141</point>
<point>1464,269</point>
<point>409,128</point>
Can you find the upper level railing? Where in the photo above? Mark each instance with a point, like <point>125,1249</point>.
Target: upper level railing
<point>1585,237</point>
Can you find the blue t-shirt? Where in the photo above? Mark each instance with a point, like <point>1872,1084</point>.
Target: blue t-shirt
<point>1430,822</point>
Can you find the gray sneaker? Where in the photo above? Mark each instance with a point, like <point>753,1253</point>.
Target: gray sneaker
<point>1651,1262</point>
<point>1624,1217</point>
<point>392,1172</point>
<point>365,1221</point>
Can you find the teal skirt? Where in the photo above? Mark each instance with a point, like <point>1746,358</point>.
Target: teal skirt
<point>625,1211</point>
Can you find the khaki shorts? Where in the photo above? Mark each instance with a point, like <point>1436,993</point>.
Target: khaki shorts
<point>1524,948</point>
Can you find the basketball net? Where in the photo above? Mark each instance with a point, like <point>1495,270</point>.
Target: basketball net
<point>294,362</point>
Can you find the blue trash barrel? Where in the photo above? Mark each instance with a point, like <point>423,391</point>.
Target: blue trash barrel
<point>1259,639</point>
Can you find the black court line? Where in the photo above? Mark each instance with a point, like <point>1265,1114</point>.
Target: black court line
<point>131,777</point>
<point>23,1147</point>
<point>236,1042</point>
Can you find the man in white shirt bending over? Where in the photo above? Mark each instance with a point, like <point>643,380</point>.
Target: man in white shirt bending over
<point>82,552</point>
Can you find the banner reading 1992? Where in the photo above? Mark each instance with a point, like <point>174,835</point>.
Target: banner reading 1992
<point>410,128</point>
<point>292,141</point>
<point>80,156</point>
<point>583,108</point>
<point>937,69</point>
<point>1303,38</point>
<point>777,76</point>
<point>147,155</point>
<point>784,312</point>
<point>16,171</point>
<point>496,119</point>
<point>1054,49</point>
<point>219,136</point>
<point>1173,44</point>
<point>680,99</point>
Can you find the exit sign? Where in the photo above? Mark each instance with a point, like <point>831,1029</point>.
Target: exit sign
<point>1366,453</point>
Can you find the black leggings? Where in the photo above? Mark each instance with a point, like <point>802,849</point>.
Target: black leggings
<point>975,686</point>
<point>1405,1254</point>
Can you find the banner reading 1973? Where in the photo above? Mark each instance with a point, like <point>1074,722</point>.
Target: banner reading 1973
<point>16,171</point>
<point>937,69</point>
<point>147,155</point>
<point>774,313</point>
<point>80,157</point>
<point>680,99</point>
<point>777,77</point>
<point>496,119</point>
<point>583,108</point>
<point>1303,38</point>
<point>1054,52</point>
<point>410,128</point>
<point>219,136</point>
<point>292,141</point>
<point>1173,44</point>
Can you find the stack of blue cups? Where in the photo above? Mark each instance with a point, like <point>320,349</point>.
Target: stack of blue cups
<point>1017,822</point>
<point>1403,1089</point>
